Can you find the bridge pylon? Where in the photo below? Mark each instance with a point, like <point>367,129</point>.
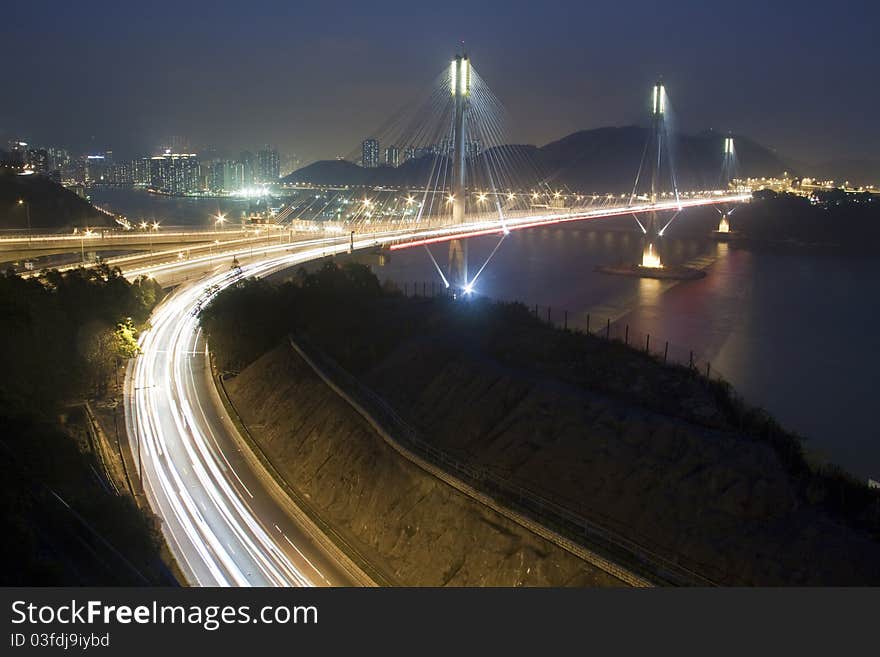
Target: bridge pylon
<point>460,85</point>
<point>726,171</point>
<point>650,253</point>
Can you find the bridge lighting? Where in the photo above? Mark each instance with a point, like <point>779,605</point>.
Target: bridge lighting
<point>651,258</point>
<point>453,76</point>
<point>143,225</point>
<point>460,76</point>
<point>468,288</point>
<point>450,198</point>
<point>481,198</point>
<point>535,195</point>
<point>658,103</point>
<point>155,225</point>
<point>410,200</point>
<point>511,196</point>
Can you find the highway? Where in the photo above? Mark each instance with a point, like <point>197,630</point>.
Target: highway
<point>225,519</point>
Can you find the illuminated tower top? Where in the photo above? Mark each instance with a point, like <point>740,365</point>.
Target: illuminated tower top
<point>460,75</point>
<point>658,102</point>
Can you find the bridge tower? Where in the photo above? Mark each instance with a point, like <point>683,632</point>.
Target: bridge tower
<point>650,254</point>
<point>726,168</point>
<point>460,85</point>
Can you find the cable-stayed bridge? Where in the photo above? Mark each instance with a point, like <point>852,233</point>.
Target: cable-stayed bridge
<point>459,177</point>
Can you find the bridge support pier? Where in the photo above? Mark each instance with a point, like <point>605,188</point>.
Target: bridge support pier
<point>458,266</point>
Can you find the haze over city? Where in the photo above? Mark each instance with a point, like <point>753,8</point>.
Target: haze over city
<point>313,78</point>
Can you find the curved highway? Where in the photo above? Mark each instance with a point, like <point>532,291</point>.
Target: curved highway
<point>225,519</point>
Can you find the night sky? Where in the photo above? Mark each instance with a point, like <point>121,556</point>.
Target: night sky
<point>314,78</point>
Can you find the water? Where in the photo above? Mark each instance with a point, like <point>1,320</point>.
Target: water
<point>792,331</point>
<point>138,204</point>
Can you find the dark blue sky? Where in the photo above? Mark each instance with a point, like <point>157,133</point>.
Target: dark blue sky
<point>315,77</point>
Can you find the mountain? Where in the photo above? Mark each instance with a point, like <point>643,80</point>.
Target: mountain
<point>591,161</point>
<point>857,172</point>
<point>607,160</point>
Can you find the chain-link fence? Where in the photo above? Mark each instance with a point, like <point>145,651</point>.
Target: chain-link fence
<point>601,327</point>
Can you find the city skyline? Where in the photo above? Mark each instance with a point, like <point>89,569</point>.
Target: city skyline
<point>318,96</point>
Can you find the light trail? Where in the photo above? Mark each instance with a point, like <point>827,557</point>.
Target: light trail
<point>478,229</point>
<point>225,519</point>
<point>216,506</point>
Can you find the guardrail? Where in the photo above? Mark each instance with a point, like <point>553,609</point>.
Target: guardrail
<point>630,557</point>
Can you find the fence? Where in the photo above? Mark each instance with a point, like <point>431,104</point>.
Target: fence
<point>600,327</point>
<point>610,536</point>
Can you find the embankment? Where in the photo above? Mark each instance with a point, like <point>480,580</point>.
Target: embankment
<point>411,526</point>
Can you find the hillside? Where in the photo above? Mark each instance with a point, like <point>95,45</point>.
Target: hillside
<point>600,160</point>
<point>52,207</point>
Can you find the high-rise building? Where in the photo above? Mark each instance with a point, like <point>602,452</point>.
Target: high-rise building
<point>95,169</point>
<point>60,158</point>
<point>268,166</point>
<point>248,169</point>
<point>175,173</point>
<point>474,148</point>
<point>18,151</point>
<point>120,173</point>
<point>140,171</point>
<point>392,156</point>
<point>225,176</point>
<point>38,160</point>
<point>370,153</point>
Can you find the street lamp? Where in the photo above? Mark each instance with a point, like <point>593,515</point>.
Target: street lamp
<point>153,228</point>
<point>27,207</point>
<point>220,220</point>
<point>82,245</point>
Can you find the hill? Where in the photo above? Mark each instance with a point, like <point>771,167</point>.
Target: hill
<point>591,161</point>
<point>52,207</point>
